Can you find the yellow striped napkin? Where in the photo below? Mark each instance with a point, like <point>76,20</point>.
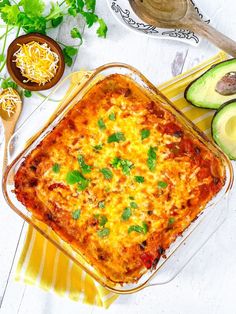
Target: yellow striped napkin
<point>42,264</point>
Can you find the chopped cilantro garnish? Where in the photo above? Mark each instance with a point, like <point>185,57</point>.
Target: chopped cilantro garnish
<point>107,173</point>
<point>75,176</point>
<point>83,166</point>
<point>126,213</point>
<point>103,232</point>
<point>139,229</point>
<point>76,214</point>
<point>102,220</point>
<point>102,29</point>
<point>162,185</point>
<point>131,197</point>
<point>139,179</point>
<point>133,205</point>
<point>171,221</point>
<point>145,227</point>
<point>97,147</point>
<point>124,164</point>
<point>116,137</point>
<point>152,158</point>
<point>101,204</point>
<point>112,116</point>
<point>56,168</point>
<point>101,124</point>
<point>83,184</point>
<point>135,228</point>
<point>145,133</point>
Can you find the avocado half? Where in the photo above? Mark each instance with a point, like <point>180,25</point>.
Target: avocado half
<point>202,92</point>
<point>224,128</point>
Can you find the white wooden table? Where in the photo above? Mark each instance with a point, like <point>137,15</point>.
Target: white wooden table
<point>207,284</point>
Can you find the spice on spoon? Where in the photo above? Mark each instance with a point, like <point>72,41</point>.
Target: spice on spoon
<point>9,100</point>
<point>37,62</point>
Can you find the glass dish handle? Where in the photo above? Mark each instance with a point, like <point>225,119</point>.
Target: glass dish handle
<point>188,248</point>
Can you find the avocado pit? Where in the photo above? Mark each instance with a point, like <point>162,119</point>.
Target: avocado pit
<point>226,86</point>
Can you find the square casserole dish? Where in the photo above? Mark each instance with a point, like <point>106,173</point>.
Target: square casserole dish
<point>184,247</point>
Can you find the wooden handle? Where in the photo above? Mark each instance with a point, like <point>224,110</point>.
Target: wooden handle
<point>9,130</point>
<point>216,37</point>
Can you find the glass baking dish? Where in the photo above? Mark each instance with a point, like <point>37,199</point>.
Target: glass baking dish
<point>43,120</point>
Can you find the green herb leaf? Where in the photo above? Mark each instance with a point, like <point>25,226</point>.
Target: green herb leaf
<point>33,8</point>
<point>171,221</point>
<point>57,21</point>
<point>145,227</point>
<point>101,204</point>
<point>72,11</point>
<point>68,60</point>
<point>90,5</point>
<point>162,185</point>
<point>101,124</point>
<point>97,147</point>
<point>102,220</point>
<point>107,173</point>
<point>83,166</point>
<point>131,197</point>
<point>56,168</point>
<point>116,137</point>
<point>139,179</point>
<point>126,213</point>
<point>55,12</point>
<point>90,18</point>
<point>75,33</point>
<point>102,29</point>
<point>145,133</point>
<point>3,3</point>
<point>83,184</point>
<point>9,14</point>
<point>76,214</point>
<point>112,116</point>
<point>152,158</point>
<point>73,177</point>
<point>32,24</point>
<point>133,205</point>
<point>139,229</point>
<point>8,83</point>
<point>135,228</point>
<point>124,164</point>
<point>103,232</point>
<point>68,53</point>
<point>27,93</point>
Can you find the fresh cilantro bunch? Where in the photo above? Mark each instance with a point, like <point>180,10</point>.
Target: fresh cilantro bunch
<point>30,16</point>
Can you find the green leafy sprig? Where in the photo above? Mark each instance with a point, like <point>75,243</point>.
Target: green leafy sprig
<point>30,16</point>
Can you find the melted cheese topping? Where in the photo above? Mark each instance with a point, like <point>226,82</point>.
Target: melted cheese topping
<point>119,178</point>
<point>37,62</point>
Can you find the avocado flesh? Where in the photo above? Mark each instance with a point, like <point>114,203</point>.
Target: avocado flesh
<point>202,93</point>
<point>224,129</point>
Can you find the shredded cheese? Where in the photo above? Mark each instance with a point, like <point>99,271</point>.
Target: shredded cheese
<point>9,99</point>
<point>37,62</point>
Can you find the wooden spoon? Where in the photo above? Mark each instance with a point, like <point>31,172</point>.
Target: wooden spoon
<point>9,120</point>
<point>180,14</point>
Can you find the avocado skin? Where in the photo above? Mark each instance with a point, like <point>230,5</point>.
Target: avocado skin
<point>212,122</point>
<point>194,81</point>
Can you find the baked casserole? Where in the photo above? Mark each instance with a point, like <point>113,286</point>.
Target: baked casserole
<point>119,178</point>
